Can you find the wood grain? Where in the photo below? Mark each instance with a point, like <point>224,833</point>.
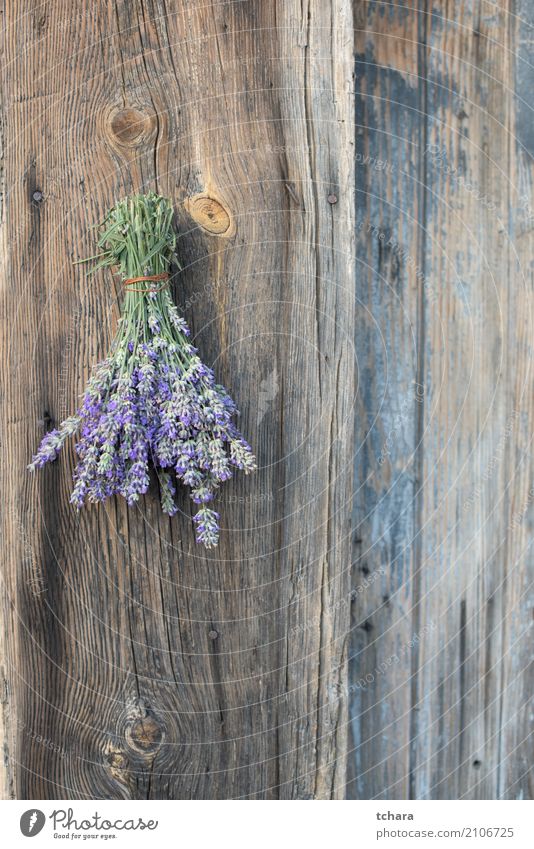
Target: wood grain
<point>136,665</point>
<point>389,292</point>
<point>443,622</point>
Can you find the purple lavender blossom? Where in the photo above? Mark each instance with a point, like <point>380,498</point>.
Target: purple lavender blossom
<point>207,524</point>
<point>53,442</point>
<point>152,404</point>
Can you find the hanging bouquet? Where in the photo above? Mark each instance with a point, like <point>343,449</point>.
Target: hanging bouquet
<point>151,403</point>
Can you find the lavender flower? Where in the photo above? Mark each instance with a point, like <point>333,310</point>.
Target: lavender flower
<point>206,521</point>
<point>152,404</point>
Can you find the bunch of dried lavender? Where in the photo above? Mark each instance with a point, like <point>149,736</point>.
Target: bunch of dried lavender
<point>152,402</point>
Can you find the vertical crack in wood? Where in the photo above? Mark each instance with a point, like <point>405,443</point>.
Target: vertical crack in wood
<point>419,403</point>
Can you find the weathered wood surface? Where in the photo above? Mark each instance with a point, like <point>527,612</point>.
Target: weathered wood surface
<point>442,627</point>
<point>136,665</point>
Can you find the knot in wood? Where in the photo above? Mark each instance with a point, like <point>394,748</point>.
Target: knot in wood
<point>117,761</point>
<point>118,765</point>
<point>130,127</point>
<point>210,214</point>
<point>145,734</point>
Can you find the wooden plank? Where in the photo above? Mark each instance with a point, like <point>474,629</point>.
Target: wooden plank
<point>514,778</point>
<point>389,289</point>
<point>472,685</point>
<point>458,722</point>
<point>137,665</point>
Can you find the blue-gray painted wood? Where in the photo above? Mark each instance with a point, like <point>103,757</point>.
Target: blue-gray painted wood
<point>442,616</point>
